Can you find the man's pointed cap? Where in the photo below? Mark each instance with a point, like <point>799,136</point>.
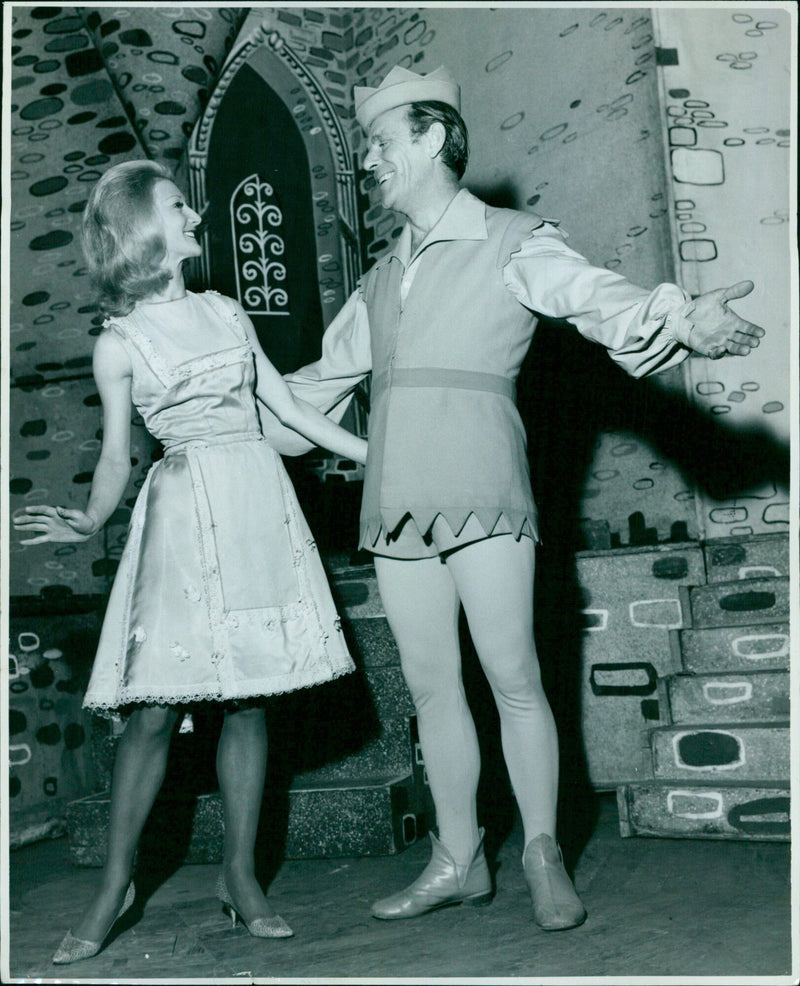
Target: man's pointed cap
<point>403,86</point>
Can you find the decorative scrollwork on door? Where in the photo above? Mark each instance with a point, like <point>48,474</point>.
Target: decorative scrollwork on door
<point>256,222</point>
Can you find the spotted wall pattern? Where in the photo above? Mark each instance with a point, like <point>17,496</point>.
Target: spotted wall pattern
<point>563,114</point>
<point>56,441</point>
<point>163,62</point>
<point>49,756</point>
<point>66,126</point>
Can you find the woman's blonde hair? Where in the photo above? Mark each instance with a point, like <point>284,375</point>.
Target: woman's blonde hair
<point>122,239</point>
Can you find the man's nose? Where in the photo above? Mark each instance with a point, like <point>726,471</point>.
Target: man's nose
<point>371,159</point>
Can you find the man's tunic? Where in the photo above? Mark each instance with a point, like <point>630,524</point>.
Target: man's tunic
<point>444,333</point>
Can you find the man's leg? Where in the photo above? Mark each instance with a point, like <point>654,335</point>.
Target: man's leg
<point>422,608</point>
<point>494,579</point>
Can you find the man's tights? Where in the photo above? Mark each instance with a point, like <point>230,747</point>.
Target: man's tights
<point>493,580</point>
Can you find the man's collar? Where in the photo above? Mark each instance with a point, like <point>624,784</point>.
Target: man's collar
<point>463,219</point>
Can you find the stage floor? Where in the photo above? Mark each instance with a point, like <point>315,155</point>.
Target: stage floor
<point>657,907</point>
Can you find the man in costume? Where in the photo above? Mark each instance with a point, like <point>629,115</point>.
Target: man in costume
<point>443,322</point>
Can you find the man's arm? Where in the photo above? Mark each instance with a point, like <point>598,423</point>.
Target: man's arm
<point>644,331</point>
<point>327,384</point>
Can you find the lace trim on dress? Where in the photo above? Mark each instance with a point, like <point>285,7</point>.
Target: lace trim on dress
<point>115,710</point>
<point>171,374</point>
<point>227,312</point>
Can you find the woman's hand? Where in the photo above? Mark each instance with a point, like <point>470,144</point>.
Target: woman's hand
<point>54,524</point>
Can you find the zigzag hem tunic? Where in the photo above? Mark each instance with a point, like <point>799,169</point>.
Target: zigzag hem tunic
<point>220,593</point>
<point>443,331</point>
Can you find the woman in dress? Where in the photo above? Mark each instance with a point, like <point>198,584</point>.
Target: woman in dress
<point>220,595</point>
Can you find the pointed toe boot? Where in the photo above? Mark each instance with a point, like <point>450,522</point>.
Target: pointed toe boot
<point>556,906</point>
<point>439,886</point>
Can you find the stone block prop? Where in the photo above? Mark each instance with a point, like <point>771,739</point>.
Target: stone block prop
<point>390,751</point>
<point>746,601</point>
<point>759,647</point>
<point>633,600</point>
<point>757,696</point>
<point>355,592</point>
<point>368,818</point>
<point>753,557</point>
<point>371,642</point>
<point>356,595</point>
<point>374,816</point>
<point>753,752</point>
<point>740,812</point>
<point>426,807</point>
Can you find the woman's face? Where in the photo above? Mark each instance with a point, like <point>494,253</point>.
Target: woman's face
<point>178,223</point>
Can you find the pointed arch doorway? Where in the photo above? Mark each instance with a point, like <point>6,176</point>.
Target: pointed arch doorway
<point>271,172</point>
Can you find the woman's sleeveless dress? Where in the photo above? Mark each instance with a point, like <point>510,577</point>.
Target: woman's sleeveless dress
<point>220,593</point>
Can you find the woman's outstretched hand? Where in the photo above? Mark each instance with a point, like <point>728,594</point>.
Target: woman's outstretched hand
<point>54,524</point>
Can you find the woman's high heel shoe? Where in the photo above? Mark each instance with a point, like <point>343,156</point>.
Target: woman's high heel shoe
<point>271,927</point>
<point>74,949</point>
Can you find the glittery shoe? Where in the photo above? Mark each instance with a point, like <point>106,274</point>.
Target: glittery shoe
<point>74,949</point>
<point>556,906</point>
<point>438,886</point>
<point>271,927</point>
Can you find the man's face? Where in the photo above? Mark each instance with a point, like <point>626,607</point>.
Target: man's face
<point>398,159</point>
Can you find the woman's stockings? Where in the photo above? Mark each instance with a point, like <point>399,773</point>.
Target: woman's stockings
<point>139,769</point>
<point>241,767</point>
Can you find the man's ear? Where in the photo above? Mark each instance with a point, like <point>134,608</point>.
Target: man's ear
<point>436,136</point>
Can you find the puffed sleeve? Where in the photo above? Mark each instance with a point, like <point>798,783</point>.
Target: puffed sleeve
<point>328,383</point>
<point>637,326</point>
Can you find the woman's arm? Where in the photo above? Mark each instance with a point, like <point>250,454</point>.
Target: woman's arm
<point>295,413</point>
<point>112,374</point>
<point>329,382</point>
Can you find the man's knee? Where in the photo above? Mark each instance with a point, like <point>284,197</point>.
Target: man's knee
<point>513,674</point>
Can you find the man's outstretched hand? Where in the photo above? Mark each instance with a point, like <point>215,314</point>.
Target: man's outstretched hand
<point>713,329</point>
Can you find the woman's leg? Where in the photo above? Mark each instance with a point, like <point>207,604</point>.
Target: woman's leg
<point>422,608</point>
<point>139,769</point>
<point>494,578</point>
<point>241,767</point>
